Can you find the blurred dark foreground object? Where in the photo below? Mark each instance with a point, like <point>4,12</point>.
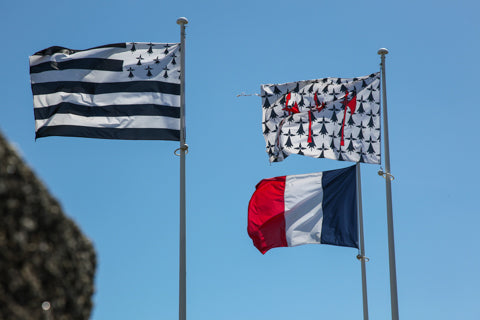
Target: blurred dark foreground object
<point>47,265</point>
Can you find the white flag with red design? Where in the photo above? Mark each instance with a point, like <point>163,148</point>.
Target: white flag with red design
<point>333,118</point>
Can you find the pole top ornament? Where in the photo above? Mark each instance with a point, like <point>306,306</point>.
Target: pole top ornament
<point>182,20</point>
<point>382,51</point>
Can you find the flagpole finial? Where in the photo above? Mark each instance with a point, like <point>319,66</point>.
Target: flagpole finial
<point>182,20</point>
<point>382,51</point>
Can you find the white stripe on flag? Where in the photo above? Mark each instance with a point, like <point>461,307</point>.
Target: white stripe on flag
<point>303,208</point>
<point>99,100</point>
<point>140,122</point>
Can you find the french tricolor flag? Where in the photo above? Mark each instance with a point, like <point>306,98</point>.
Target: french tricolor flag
<point>300,209</point>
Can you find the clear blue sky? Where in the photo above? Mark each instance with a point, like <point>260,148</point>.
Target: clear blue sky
<point>124,194</point>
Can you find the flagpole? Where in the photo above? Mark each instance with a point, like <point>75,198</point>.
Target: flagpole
<point>388,182</point>
<point>182,292</point>
<point>361,256</point>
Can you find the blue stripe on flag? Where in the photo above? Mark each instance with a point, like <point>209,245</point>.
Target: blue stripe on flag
<point>340,226</point>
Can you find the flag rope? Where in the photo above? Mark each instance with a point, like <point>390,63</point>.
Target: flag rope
<point>385,174</point>
<point>362,258</point>
<point>182,148</point>
<point>243,94</point>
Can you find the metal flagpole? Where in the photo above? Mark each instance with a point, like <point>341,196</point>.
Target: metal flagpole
<point>388,181</point>
<point>361,256</point>
<point>182,301</point>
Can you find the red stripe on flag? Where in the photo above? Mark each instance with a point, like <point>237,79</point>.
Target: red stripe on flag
<point>287,99</point>
<point>309,140</point>
<point>266,221</point>
<point>352,105</point>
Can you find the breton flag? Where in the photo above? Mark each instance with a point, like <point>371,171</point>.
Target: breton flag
<point>332,118</point>
<point>117,91</point>
<point>300,209</point>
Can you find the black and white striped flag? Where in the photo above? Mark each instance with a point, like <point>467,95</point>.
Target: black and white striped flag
<point>119,91</point>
